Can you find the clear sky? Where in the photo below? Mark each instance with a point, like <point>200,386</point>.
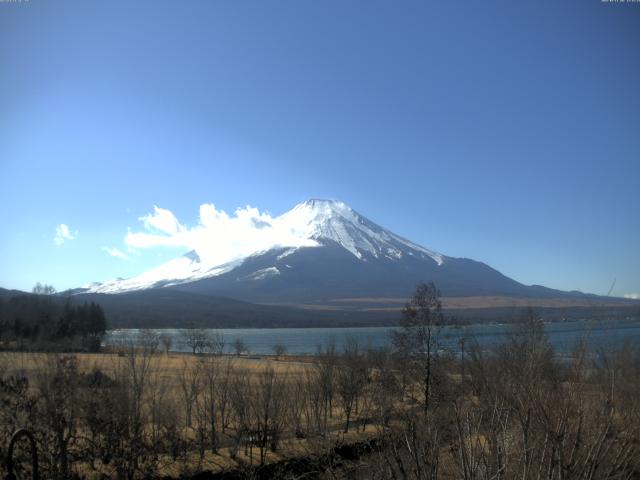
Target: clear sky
<point>503,131</point>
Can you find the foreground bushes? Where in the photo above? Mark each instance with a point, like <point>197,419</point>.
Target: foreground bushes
<point>518,412</point>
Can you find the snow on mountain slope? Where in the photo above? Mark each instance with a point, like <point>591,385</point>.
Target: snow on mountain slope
<point>323,220</point>
<point>186,268</point>
<point>311,224</point>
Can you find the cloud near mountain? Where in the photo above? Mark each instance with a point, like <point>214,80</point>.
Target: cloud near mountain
<point>218,237</point>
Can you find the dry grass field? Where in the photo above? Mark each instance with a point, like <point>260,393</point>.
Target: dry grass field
<point>168,366</point>
<point>471,302</point>
<point>167,378</point>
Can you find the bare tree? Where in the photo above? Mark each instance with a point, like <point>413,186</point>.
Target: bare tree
<point>351,378</point>
<point>40,289</point>
<point>214,344</point>
<point>224,392</point>
<point>189,380</point>
<point>279,349</point>
<point>133,377</point>
<point>58,390</point>
<point>269,410</point>
<point>239,346</point>
<point>386,391</point>
<point>240,395</point>
<point>166,340</point>
<point>148,340</point>
<point>213,390</point>
<point>417,338</point>
<point>326,368</point>
<point>196,339</point>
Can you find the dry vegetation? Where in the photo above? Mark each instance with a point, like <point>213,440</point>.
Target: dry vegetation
<point>513,411</point>
<point>140,412</point>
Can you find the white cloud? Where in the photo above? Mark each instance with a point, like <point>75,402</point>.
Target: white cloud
<point>63,233</point>
<point>632,296</point>
<point>162,220</point>
<point>218,237</point>
<point>114,252</point>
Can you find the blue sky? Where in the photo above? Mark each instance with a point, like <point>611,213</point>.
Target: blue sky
<point>507,132</point>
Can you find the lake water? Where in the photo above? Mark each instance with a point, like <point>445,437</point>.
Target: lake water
<point>606,334</point>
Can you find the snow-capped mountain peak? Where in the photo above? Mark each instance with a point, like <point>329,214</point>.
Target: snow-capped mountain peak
<point>334,221</point>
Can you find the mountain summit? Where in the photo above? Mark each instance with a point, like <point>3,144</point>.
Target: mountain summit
<point>324,250</point>
<point>333,221</point>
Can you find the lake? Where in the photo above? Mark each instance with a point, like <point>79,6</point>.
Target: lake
<point>606,334</point>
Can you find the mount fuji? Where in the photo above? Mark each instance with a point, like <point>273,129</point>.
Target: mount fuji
<point>329,254</point>
<point>323,264</point>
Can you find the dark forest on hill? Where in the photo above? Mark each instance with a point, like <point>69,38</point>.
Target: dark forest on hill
<point>42,320</point>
